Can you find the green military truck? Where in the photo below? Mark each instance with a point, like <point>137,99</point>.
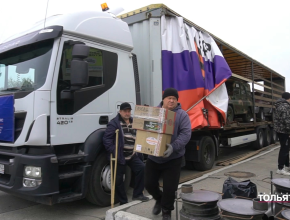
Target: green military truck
<point>250,109</point>
<point>241,103</point>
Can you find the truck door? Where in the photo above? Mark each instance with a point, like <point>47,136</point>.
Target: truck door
<point>73,120</point>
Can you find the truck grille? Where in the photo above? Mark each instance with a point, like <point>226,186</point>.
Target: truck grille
<point>6,161</point>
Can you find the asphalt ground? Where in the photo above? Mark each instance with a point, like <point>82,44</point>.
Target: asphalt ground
<point>13,208</point>
<point>259,167</point>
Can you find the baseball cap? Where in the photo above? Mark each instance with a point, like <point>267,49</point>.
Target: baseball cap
<point>125,105</point>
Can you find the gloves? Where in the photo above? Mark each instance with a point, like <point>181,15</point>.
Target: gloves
<point>169,150</point>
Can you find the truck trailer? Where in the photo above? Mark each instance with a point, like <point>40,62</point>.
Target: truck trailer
<point>64,79</point>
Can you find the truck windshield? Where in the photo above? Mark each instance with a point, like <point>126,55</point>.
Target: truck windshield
<point>25,68</point>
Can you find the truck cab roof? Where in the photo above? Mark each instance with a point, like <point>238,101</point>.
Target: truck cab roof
<point>97,26</point>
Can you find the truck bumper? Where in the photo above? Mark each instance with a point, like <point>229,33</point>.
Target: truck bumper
<point>12,179</point>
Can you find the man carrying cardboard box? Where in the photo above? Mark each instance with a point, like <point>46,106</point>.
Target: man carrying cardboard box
<point>155,127</point>
<point>169,165</point>
<point>126,156</point>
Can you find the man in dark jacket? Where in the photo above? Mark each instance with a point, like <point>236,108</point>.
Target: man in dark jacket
<point>126,156</point>
<point>170,164</point>
<point>282,127</point>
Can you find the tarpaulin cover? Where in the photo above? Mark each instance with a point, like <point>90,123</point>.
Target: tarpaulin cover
<point>193,64</point>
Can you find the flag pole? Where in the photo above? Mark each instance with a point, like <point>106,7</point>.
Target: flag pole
<point>204,97</point>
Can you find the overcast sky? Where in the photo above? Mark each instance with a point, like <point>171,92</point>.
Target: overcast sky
<point>259,28</point>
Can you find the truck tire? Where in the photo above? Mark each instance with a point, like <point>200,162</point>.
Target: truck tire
<point>259,143</point>
<point>99,192</point>
<point>207,154</point>
<point>248,116</point>
<point>261,115</point>
<point>267,136</point>
<point>274,137</point>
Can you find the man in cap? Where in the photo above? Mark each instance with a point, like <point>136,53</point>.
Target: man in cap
<point>282,127</point>
<point>170,164</point>
<point>126,156</point>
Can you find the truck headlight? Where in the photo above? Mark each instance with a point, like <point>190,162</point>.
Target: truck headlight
<point>31,171</point>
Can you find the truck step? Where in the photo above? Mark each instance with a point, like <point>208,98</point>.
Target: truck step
<point>70,174</point>
<point>72,158</point>
<point>69,197</point>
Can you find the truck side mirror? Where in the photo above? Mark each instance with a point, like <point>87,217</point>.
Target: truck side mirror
<point>79,70</point>
<point>79,67</point>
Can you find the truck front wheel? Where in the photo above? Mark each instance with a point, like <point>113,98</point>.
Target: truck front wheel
<point>99,191</point>
<point>207,154</point>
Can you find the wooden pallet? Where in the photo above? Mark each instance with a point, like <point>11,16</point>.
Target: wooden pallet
<point>227,162</point>
<point>242,157</point>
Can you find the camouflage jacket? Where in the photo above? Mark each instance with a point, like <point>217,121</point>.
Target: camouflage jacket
<point>282,116</point>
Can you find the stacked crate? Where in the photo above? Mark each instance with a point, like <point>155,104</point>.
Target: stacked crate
<point>155,127</point>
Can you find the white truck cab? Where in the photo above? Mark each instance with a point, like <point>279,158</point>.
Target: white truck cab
<point>67,81</point>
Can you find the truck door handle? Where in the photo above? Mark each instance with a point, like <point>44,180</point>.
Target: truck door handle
<point>104,120</point>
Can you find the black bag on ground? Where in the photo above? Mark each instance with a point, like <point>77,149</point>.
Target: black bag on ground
<point>233,188</point>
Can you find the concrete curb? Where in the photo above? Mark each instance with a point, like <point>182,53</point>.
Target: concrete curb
<point>118,213</point>
<point>128,216</point>
<point>111,213</point>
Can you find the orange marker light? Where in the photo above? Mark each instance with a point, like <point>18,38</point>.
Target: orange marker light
<point>197,147</point>
<point>104,7</point>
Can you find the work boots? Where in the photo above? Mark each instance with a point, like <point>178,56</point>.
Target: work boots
<point>166,214</point>
<point>157,207</point>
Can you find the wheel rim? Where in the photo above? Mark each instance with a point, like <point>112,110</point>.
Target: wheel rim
<point>207,154</point>
<point>261,139</point>
<point>106,178</point>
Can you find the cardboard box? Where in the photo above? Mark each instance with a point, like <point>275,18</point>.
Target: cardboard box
<point>154,119</point>
<point>151,143</point>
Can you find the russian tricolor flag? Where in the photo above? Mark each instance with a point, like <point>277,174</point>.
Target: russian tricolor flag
<point>193,64</point>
